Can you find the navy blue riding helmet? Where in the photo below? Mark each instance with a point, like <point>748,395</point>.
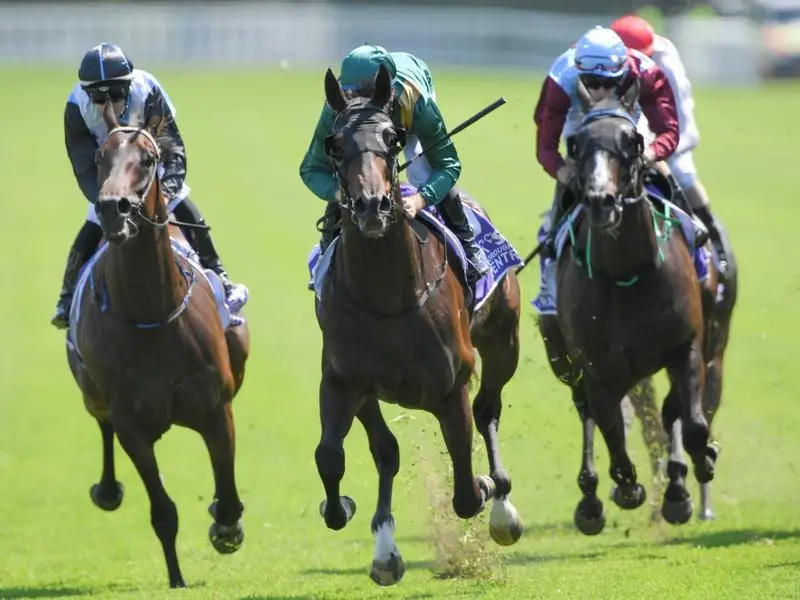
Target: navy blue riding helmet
<point>105,73</point>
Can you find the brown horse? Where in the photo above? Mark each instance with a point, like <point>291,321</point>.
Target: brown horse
<point>629,303</point>
<point>718,314</point>
<point>147,347</point>
<point>396,326</point>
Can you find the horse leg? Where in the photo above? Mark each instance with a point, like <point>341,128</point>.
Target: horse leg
<point>499,361</point>
<point>605,407</point>
<point>590,517</point>
<point>387,564</point>
<point>163,513</point>
<point>338,407</point>
<point>470,493</point>
<point>686,371</point>
<point>712,395</point>
<point>226,532</point>
<point>677,505</point>
<point>109,492</point>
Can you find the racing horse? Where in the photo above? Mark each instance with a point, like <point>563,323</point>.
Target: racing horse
<point>631,290</point>
<point>147,343</point>
<point>396,322</point>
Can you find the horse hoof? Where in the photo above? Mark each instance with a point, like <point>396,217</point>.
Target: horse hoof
<point>590,517</point>
<point>677,512</point>
<point>108,504</point>
<point>505,524</point>
<point>629,498</point>
<point>226,539</point>
<point>335,521</point>
<point>707,514</point>
<point>388,572</point>
<point>704,469</point>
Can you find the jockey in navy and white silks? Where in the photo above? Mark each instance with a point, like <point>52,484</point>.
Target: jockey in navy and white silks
<point>638,34</point>
<point>106,74</point>
<point>602,62</point>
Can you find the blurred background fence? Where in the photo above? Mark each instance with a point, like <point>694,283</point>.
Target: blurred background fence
<point>461,33</point>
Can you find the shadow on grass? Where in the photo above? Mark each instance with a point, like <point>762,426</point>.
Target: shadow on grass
<point>721,539</point>
<point>44,592</point>
<point>410,565</point>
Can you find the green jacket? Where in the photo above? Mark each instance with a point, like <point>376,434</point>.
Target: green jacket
<point>415,110</point>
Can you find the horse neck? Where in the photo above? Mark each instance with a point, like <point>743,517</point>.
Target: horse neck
<point>631,250</point>
<point>141,276</point>
<point>383,275</point>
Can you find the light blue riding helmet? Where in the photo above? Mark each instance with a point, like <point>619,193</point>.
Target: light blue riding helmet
<point>602,53</point>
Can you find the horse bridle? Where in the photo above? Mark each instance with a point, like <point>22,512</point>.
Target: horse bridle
<point>627,192</point>
<point>138,202</point>
<point>374,142</point>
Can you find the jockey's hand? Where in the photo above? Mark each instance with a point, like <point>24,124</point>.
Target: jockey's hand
<point>649,156</point>
<point>567,174</point>
<point>413,204</point>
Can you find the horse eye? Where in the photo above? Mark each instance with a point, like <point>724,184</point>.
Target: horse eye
<point>148,161</point>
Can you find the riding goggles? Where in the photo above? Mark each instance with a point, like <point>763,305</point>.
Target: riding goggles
<point>104,93</point>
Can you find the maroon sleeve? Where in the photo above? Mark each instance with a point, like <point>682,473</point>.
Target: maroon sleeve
<point>549,116</point>
<point>658,104</point>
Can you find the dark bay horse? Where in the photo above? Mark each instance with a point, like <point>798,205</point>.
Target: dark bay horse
<point>629,303</point>
<point>147,347</point>
<point>396,326</point>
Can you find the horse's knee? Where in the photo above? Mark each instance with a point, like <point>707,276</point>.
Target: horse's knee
<point>670,411</point>
<point>330,460</point>
<point>387,454</point>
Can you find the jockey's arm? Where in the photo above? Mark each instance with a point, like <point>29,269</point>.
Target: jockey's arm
<point>670,63</point>
<point>658,104</point>
<point>429,127</point>
<point>175,166</point>
<point>316,170</point>
<point>549,115</point>
<point>81,149</point>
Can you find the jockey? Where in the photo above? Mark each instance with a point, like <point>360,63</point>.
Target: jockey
<point>414,109</point>
<point>637,34</point>
<point>604,65</point>
<point>106,74</point>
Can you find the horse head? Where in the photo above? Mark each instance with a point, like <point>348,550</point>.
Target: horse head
<point>607,150</point>
<point>127,172</point>
<point>363,147</point>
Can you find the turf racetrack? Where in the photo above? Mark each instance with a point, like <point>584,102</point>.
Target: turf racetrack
<point>245,135</point>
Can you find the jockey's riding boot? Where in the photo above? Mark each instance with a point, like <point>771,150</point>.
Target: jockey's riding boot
<point>700,231</point>
<point>328,226</point>
<point>83,247</point>
<point>557,212</point>
<point>452,210</point>
<point>200,240</point>
<point>715,234</point>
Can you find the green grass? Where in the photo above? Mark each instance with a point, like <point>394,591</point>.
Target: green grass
<point>246,134</point>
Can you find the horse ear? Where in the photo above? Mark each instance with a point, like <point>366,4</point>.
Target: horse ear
<point>631,96</point>
<point>383,87</point>
<point>109,116</point>
<point>156,125</point>
<point>585,96</point>
<point>333,92</point>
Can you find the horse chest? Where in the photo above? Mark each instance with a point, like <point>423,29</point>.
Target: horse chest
<point>401,360</point>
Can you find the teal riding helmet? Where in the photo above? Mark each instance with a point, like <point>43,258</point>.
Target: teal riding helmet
<point>361,65</point>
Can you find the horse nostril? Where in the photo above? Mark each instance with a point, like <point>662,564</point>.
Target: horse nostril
<point>385,204</point>
<point>359,205</point>
<point>124,207</point>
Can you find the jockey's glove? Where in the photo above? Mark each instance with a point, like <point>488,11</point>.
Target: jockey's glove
<point>567,174</point>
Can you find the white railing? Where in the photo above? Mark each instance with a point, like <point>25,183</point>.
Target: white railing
<point>270,34</point>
